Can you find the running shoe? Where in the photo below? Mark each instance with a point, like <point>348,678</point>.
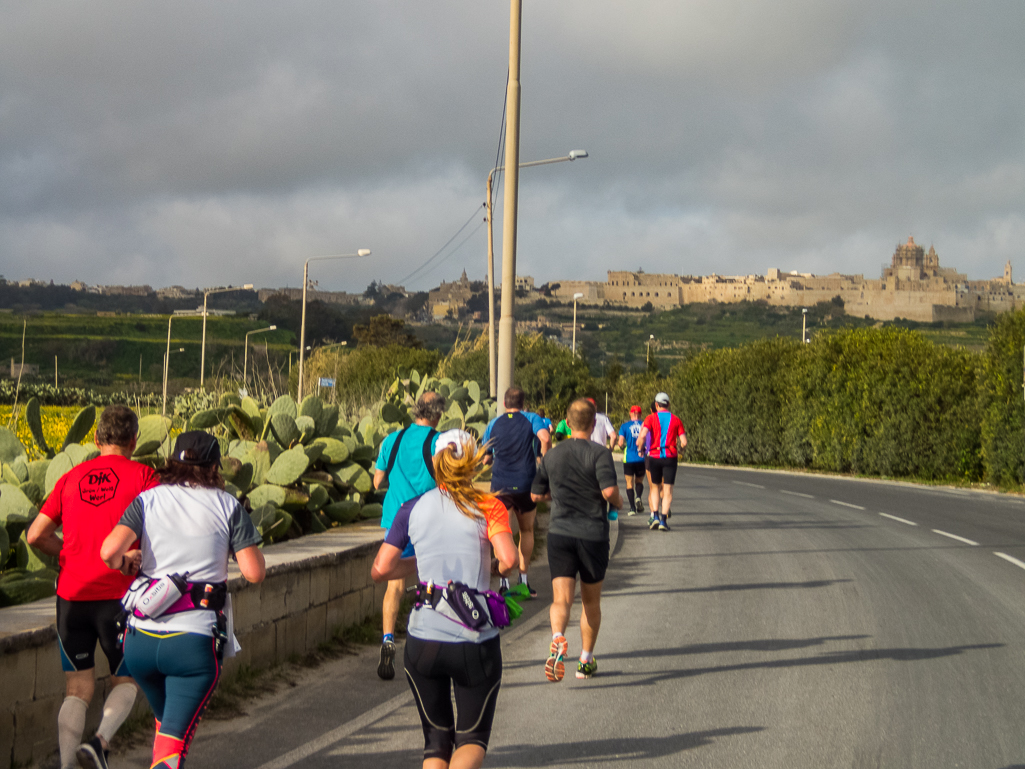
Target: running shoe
<point>640,506</point>
<point>386,670</point>
<point>91,755</point>
<point>531,591</point>
<point>653,523</point>
<point>555,666</point>
<point>587,669</point>
<point>631,511</point>
<point>663,525</point>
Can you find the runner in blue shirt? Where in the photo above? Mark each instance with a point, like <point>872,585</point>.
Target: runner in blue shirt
<point>404,458</point>
<point>514,442</point>
<point>633,460</point>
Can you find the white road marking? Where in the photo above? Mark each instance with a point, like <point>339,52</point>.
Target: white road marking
<point>846,504</point>
<point>752,485</point>
<point>1010,559</point>
<point>796,494</point>
<point>954,536</point>
<point>901,520</point>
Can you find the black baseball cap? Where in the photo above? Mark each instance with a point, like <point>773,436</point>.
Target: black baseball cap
<point>204,446</point>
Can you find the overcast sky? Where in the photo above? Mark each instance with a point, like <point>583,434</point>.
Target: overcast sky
<point>203,143</point>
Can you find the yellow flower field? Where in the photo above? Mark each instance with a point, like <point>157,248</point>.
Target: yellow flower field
<point>56,420</point>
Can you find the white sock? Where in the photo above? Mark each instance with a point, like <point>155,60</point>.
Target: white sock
<point>116,709</point>
<point>70,725</point>
<point>586,656</point>
<point>523,578</point>
<point>504,583</point>
<point>557,635</point>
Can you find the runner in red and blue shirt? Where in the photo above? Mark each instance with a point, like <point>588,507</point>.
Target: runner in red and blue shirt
<point>667,432</point>
<point>633,459</point>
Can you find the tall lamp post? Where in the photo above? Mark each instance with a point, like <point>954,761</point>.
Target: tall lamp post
<point>804,325</point>
<point>575,297</point>
<point>202,352</point>
<point>245,360</point>
<point>302,324</point>
<point>167,355</point>
<point>651,338</point>
<point>492,350</point>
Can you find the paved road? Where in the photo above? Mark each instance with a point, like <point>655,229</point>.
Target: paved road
<point>786,621</point>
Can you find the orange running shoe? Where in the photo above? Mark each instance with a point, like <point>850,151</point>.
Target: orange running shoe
<point>555,666</point>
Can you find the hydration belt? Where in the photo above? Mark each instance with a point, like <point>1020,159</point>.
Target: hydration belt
<point>149,597</point>
<point>473,609</point>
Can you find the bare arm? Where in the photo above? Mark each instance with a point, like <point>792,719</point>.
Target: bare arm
<point>389,564</point>
<point>545,436</point>
<point>42,535</point>
<point>612,496</point>
<point>541,497</point>
<point>621,442</point>
<point>379,478</point>
<point>251,564</point>
<point>683,441</point>
<point>640,439</point>
<point>506,552</point>
<point>115,551</point>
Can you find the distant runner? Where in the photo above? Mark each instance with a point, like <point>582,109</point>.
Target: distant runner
<point>603,433</point>
<point>666,431</point>
<point>580,479</point>
<point>513,445</point>
<point>633,460</point>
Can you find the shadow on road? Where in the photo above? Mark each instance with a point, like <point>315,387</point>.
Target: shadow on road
<point>829,658</point>
<point>591,751</point>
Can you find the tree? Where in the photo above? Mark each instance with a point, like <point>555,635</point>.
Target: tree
<point>384,330</point>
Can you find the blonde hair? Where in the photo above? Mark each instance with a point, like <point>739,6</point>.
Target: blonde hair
<point>455,475</point>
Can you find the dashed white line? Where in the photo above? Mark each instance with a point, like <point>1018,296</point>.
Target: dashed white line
<point>846,504</point>
<point>796,494</point>
<point>752,485</point>
<point>954,536</point>
<point>900,520</point>
<point>1011,559</point>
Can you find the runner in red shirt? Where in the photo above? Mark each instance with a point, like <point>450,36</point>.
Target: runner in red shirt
<point>88,502</point>
<point>666,431</point>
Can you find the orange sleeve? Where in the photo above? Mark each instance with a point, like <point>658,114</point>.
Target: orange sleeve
<point>497,517</point>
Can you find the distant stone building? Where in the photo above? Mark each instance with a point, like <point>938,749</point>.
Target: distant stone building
<point>125,290</point>
<point>449,298</point>
<point>914,287</point>
<point>177,292</point>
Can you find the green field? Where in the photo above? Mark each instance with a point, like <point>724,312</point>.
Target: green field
<point>98,351</point>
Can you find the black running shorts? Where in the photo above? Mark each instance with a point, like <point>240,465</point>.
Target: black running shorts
<point>80,624</point>
<point>570,556</point>
<point>662,470</point>
<point>473,671</point>
<point>517,501</point>
<point>636,469</point>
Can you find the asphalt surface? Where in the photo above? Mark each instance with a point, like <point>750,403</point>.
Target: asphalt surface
<point>786,621</point>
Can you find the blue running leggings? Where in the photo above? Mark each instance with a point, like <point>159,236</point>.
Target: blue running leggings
<point>178,673</point>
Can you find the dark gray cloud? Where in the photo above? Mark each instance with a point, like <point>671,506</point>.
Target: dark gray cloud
<point>203,143</point>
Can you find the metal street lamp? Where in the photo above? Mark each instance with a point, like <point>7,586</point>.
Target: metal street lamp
<point>804,325</point>
<point>302,325</point>
<point>167,355</point>
<point>575,297</point>
<point>492,351</point>
<point>245,361</point>
<point>651,338</point>
<point>202,353</point>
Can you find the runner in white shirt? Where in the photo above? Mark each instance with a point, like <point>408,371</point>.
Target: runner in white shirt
<point>603,432</point>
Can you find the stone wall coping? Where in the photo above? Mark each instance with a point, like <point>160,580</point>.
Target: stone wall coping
<point>34,624</point>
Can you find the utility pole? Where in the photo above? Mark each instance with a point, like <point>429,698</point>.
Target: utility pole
<point>507,323</point>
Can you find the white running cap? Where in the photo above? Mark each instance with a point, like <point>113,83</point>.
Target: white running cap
<point>456,438</point>
<point>662,398</point>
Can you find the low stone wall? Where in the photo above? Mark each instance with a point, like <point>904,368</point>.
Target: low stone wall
<point>314,586</point>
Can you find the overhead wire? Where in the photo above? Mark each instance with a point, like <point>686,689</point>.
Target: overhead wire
<point>441,250</point>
